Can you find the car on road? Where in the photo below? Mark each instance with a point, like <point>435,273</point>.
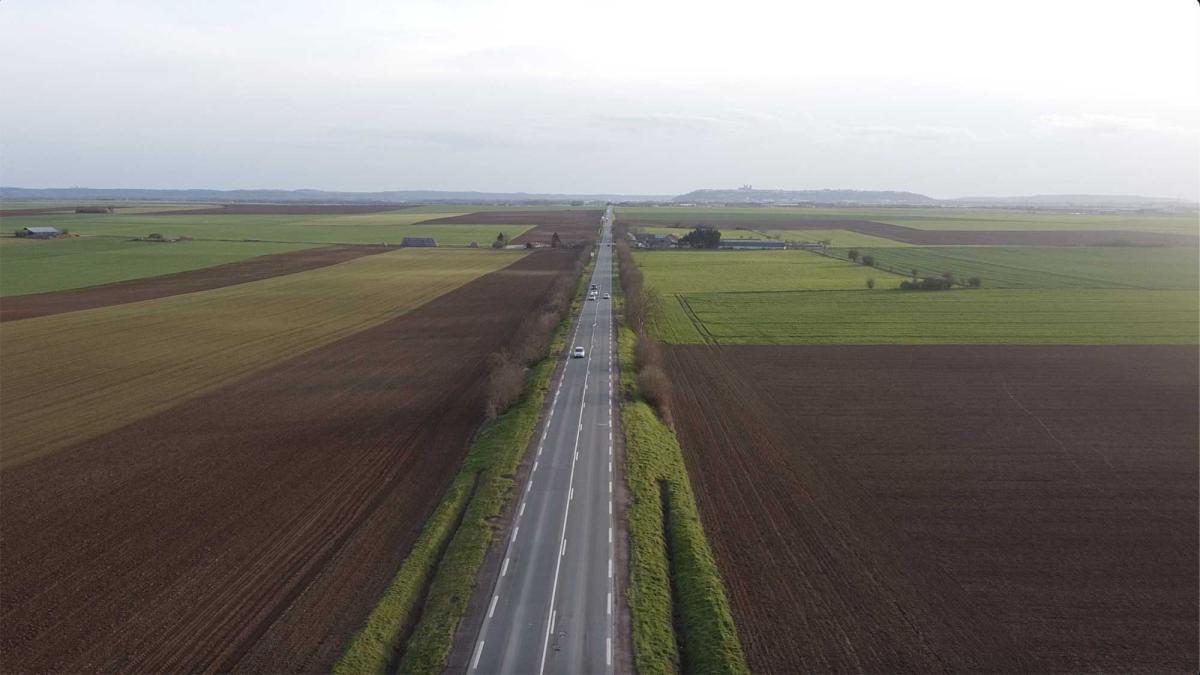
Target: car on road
<point>578,353</point>
<point>606,296</point>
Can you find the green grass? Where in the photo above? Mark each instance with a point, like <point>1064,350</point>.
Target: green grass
<point>684,273</point>
<point>835,237</point>
<point>1050,267</point>
<point>920,218</point>
<point>61,264</point>
<point>367,228</point>
<point>492,460</point>
<point>1055,316</point>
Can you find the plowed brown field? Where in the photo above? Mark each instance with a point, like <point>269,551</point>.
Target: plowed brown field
<point>136,290</point>
<point>254,527</point>
<point>571,225</point>
<point>912,235</point>
<point>949,508</point>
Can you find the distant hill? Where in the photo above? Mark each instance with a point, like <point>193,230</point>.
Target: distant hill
<point>312,196</point>
<point>824,197</point>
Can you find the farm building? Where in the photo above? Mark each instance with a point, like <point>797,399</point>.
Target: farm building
<point>38,232</point>
<point>657,240</point>
<point>419,242</point>
<point>755,244</point>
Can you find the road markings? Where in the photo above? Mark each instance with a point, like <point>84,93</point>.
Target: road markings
<point>571,494</point>
<point>504,569</point>
<point>610,534</point>
<point>609,604</point>
<point>563,550</point>
<point>610,568</point>
<point>478,651</point>
<point>608,651</point>
<point>535,465</point>
<point>522,510</point>
<point>492,609</point>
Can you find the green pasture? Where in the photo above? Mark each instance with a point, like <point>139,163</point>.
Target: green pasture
<point>1055,316</point>
<point>1049,267</point>
<point>834,237</point>
<point>38,266</point>
<point>367,228</point>
<point>949,218</point>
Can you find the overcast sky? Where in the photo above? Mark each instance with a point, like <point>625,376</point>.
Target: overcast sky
<point>640,96</point>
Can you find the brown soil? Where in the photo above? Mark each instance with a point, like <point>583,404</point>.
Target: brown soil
<point>253,529</point>
<point>949,508</point>
<point>41,211</point>
<point>570,224</point>
<point>149,288</point>
<point>965,237</point>
<point>283,209</point>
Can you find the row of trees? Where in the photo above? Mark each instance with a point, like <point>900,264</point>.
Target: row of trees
<point>531,341</point>
<point>641,303</point>
<point>702,237</point>
<point>943,282</point>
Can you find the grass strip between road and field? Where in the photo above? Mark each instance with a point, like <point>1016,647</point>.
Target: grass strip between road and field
<point>684,592</point>
<point>456,538</point>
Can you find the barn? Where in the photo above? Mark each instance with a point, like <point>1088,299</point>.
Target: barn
<point>419,242</point>
<point>38,232</point>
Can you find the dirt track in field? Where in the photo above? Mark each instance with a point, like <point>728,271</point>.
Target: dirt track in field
<point>570,224</point>
<point>204,279</point>
<point>283,209</point>
<point>253,529</point>
<point>949,508</point>
<point>912,235</point>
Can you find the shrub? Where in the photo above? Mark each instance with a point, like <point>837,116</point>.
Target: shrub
<point>852,254</point>
<point>656,389</point>
<point>868,260</point>
<point>974,282</point>
<point>870,283</point>
<point>506,380</point>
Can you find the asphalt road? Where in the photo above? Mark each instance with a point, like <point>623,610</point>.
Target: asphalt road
<point>551,609</point>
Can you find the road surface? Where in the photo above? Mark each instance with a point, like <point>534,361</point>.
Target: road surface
<point>552,605</point>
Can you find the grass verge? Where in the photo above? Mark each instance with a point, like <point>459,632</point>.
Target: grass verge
<point>449,570</point>
<point>708,641</point>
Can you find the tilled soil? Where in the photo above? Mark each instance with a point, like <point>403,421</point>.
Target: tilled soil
<point>570,224</point>
<point>949,508</point>
<point>149,288</point>
<point>253,529</point>
<point>912,235</point>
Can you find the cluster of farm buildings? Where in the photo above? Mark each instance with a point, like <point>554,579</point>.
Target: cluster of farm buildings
<point>661,241</point>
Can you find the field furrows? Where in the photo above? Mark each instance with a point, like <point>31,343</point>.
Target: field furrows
<point>252,528</point>
<point>136,290</point>
<point>570,224</point>
<point>73,376</point>
<point>956,508</point>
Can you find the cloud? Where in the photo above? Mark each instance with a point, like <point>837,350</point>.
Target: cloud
<point>912,133</point>
<point>654,123</point>
<point>1110,124</point>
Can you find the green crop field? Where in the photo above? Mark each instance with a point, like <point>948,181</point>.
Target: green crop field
<point>919,218</point>
<point>29,266</point>
<point>1060,316</point>
<point>834,237</point>
<point>684,273</point>
<point>1049,267</point>
<point>366,228</point>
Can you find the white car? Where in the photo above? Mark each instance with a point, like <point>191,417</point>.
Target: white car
<point>578,353</point>
<point>606,296</point>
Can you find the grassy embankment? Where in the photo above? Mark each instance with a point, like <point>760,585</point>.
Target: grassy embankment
<point>680,614</point>
<point>456,537</point>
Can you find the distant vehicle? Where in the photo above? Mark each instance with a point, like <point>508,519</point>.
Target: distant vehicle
<point>578,353</point>
<point>594,287</point>
<point>592,295</point>
<point>606,296</point>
